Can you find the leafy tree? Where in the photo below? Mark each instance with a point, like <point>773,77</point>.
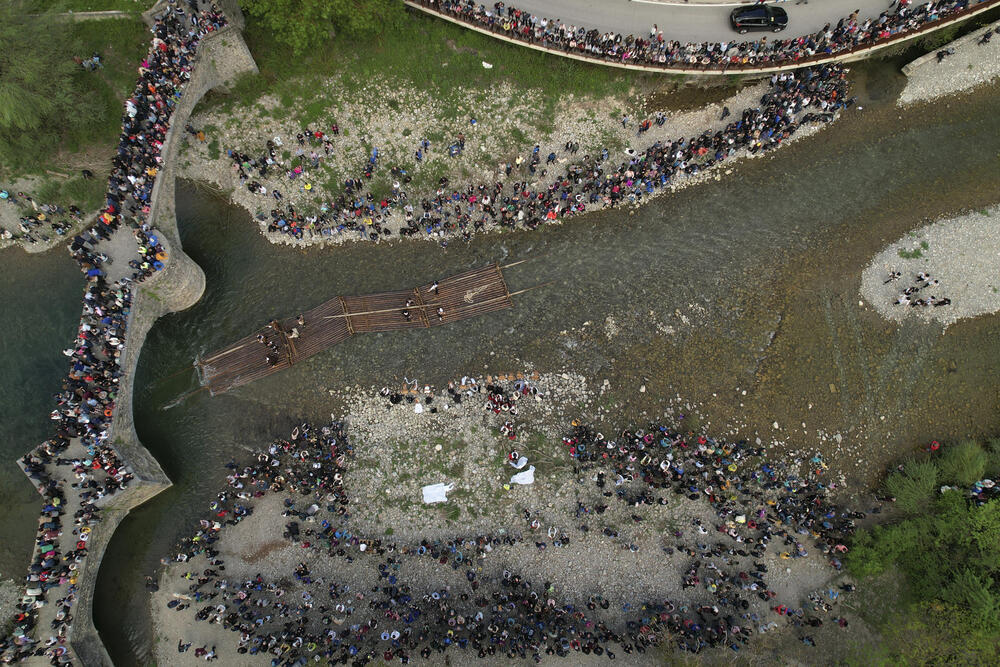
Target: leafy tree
<point>36,70</point>
<point>306,24</point>
<point>947,549</point>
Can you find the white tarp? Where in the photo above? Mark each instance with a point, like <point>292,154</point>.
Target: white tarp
<point>437,493</point>
<point>526,477</point>
<point>520,463</point>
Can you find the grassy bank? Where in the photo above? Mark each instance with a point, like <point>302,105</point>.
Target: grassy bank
<point>422,52</point>
<point>83,134</point>
<point>136,6</point>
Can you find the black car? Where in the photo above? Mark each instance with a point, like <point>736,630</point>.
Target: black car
<point>757,18</point>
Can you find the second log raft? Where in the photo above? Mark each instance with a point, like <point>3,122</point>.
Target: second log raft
<point>283,343</point>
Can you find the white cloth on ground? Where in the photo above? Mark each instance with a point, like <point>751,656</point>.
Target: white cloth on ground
<point>520,463</point>
<point>526,477</point>
<point>437,493</point>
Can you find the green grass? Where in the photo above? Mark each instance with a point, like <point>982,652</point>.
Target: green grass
<point>94,5</point>
<point>87,194</point>
<point>423,52</point>
<point>95,122</point>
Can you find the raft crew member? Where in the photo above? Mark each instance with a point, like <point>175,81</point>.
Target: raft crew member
<point>406,314</point>
<point>434,287</point>
<point>440,314</point>
<point>301,320</point>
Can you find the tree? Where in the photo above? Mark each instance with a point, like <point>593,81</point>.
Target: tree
<point>36,69</point>
<point>947,550</point>
<point>305,24</point>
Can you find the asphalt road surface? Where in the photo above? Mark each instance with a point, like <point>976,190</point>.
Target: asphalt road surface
<point>691,23</point>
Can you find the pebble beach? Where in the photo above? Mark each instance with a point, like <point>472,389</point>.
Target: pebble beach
<point>962,254</point>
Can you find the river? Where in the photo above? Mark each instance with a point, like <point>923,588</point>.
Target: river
<point>745,284</point>
<point>41,297</point>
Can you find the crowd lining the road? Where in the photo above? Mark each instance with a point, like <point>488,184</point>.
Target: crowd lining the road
<point>654,50</point>
<point>78,466</point>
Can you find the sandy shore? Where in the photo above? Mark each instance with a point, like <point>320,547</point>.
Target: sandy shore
<point>962,254</point>
<point>396,453</point>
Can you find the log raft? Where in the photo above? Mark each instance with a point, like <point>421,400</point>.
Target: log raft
<point>286,342</point>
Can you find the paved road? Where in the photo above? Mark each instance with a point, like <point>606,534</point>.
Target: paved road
<point>690,23</point>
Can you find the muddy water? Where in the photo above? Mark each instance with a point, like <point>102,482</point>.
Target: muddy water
<point>747,284</point>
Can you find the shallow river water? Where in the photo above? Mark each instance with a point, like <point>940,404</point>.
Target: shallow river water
<point>745,284</point>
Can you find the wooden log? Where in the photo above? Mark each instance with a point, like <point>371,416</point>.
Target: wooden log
<point>468,294</point>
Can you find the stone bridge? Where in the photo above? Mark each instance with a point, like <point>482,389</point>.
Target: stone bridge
<point>221,56</point>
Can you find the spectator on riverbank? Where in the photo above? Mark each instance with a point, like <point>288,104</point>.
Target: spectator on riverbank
<point>806,96</point>
<point>79,466</point>
<point>726,596</point>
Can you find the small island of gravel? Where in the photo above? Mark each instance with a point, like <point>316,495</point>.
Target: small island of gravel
<point>959,256</point>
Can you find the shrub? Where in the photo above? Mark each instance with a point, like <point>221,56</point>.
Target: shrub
<point>962,464</point>
<point>992,448</point>
<point>914,487</point>
<point>947,609</point>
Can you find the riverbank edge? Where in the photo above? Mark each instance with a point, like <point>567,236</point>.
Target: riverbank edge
<point>966,46</point>
<point>224,184</point>
<point>223,55</point>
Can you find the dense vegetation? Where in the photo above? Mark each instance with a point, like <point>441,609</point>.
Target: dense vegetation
<point>305,24</point>
<point>946,549</point>
<point>52,110</point>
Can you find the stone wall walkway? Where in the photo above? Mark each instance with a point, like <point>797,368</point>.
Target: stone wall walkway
<point>67,479</point>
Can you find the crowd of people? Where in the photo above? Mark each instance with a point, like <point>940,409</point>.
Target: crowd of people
<point>805,96</point>
<point>78,466</point>
<point>36,221</point>
<point>917,295</point>
<point>849,33</point>
<point>301,616</point>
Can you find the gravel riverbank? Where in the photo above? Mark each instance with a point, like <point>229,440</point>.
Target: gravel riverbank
<point>628,552</point>
<point>961,254</point>
<point>507,127</point>
<point>972,64</point>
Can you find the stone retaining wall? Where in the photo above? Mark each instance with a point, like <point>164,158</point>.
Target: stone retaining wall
<point>970,65</point>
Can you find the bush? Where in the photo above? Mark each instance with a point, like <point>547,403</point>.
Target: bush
<point>992,448</point>
<point>948,609</point>
<point>962,464</point>
<point>914,487</point>
<point>938,38</point>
